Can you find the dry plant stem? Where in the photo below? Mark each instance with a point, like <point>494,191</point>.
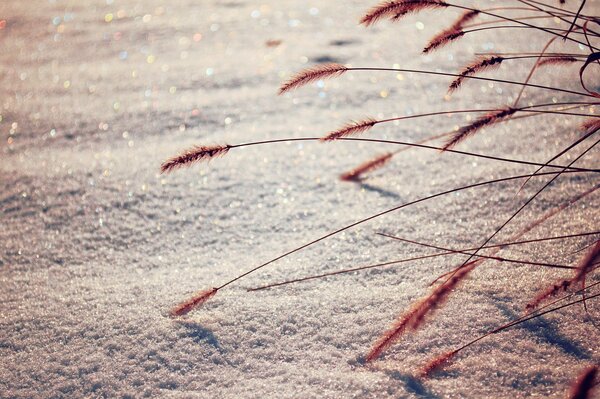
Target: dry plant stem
<point>361,126</point>
<point>548,215</point>
<point>555,157</point>
<point>417,315</point>
<point>529,316</point>
<point>390,211</point>
<point>395,262</point>
<point>384,13</point>
<point>385,212</point>
<point>466,252</point>
<point>532,54</point>
<point>401,143</point>
<point>371,165</point>
<point>532,71</point>
<point>541,28</point>
<point>531,3</point>
<point>514,215</point>
<point>497,21</point>
<point>585,266</point>
<point>356,127</point>
<point>513,27</point>
<point>575,19</point>
<point>417,71</point>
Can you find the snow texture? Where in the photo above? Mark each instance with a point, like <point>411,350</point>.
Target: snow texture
<point>96,246</point>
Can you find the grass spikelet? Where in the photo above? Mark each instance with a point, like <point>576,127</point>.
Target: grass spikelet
<point>479,123</point>
<point>312,74</point>
<point>585,266</point>
<point>467,16</point>
<point>383,10</point>
<point>550,61</point>
<point>351,128</point>
<point>398,8</point>
<point>192,303</point>
<point>443,38</point>
<point>583,386</point>
<point>436,363</point>
<point>591,125</point>
<point>193,155</point>
<point>477,66</point>
<point>588,262</point>
<point>416,316</point>
<point>355,174</point>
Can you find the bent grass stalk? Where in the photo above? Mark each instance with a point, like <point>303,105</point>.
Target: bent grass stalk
<point>357,173</point>
<point>395,10</point>
<point>412,259</point>
<point>372,217</point>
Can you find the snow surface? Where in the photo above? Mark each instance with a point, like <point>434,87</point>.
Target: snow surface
<point>96,246</point>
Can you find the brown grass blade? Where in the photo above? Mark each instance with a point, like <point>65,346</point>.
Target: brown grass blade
<point>192,303</point>
<point>486,120</point>
<point>355,174</point>
<point>414,318</point>
<point>351,128</point>
<point>193,155</point>
<point>477,66</point>
<point>583,386</point>
<point>443,38</point>
<point>312,74</point>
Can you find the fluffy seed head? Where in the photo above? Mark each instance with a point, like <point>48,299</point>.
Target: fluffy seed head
<point>443,38</point>
<point>557,61</point>
<point>192,303</point>
<point>350,129</point>
<point>476,66</point>
<point>193,155</point>
<point>464,18</point>
<point>586,264</point>
<point>415,317</point>
<point>591,125</point>
<point>355,174</point>
<point>486,120</point>
<point>312,74</point>
<point>398,8</point>
<point>436,363</point>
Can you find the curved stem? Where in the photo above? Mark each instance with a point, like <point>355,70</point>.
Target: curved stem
<point>395,142</point>
<point>382,213</point>
<point>455,75</point>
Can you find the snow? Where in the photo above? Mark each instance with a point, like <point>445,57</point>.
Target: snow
<point>96,247</point>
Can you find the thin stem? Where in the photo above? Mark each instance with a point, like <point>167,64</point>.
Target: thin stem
<point>575,19</point>
<point>496,21</point>
<point>529,316</point>
<point>513,27</point>
<point>455,75</point>
<point>555,157</point>
<point>382,213</point>
<point>395,262</point>
<point>424,146</point>
<point>513,20</point>
<point>554,14</point>
<point>514,215</point>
